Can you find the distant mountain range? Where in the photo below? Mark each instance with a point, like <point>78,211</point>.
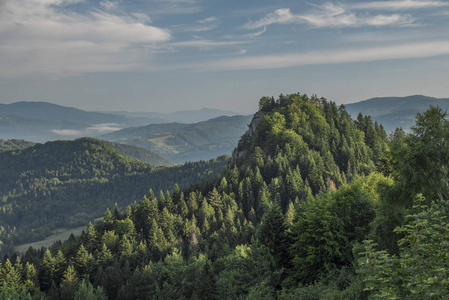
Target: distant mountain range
<point>182,136</point>
<point>41,122</point>
<point>393,112</point>
<point>186,142</point>
<point>187,116</point>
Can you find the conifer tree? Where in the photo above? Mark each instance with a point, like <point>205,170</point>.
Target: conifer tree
<point>69,283</point>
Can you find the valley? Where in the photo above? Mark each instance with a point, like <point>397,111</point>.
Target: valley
<point>306,205</point>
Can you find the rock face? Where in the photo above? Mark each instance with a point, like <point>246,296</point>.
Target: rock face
<point>239,154</point>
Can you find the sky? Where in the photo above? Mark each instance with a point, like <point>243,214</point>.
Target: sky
<point>172,55</point>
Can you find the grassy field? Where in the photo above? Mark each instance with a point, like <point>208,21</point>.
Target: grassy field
<point>59,234</point>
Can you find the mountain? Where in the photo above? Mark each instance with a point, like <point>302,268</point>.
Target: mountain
<point>57,113</point>
<point>12,145</point>
<point>300,212</point>
<point>187,116</point>
<point>141,154</point>
<point>42,121</point>
<point>68,183</point>
<point>186,142</point>
<point>393,112</point>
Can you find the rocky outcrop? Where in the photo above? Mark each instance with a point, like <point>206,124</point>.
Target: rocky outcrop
<point>242,151</point>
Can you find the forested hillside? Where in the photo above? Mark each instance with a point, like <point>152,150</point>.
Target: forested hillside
<point>69,183</point>
<point>186,142</point>
<point>313,205</point>
<point>141,154</point>
<point>11,145</point>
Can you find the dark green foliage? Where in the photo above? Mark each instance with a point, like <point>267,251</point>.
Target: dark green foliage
<point>284,214</point>
<point>141,154</point>
<point>69,183</point>
<point>327,229</point>
<point>421,269</point>
<point>12,145</point>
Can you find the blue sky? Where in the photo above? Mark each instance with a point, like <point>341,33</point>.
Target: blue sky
<point>170,55</point>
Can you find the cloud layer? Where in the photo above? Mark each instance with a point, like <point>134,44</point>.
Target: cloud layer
<point>402,51</point>
<point>330,15</point>
<point>43,37</point>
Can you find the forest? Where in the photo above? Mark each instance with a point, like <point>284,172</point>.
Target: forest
<point>312,205</point>
<point>65,184</point>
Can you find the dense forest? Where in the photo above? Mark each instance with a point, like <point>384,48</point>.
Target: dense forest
<point>11,145</point>
<point>69,183</point>
<point>313,205</point>
<point>141,154</point>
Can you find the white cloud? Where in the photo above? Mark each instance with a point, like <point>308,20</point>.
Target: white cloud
<point>201,25</point>
<point>102,128</point>
<point>329,15</point>
<point>257,33</point>
<point>399,5</point>
<point>207,43</point>
<point>107,4</point>
<point>173,7</point>
<point>67,132</point>
<point>208,20</point>
<point>39,38</point>
<point>279,16</point>
<point>92,130</point>
<point>403,51</point>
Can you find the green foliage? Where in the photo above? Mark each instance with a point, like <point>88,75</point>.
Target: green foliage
<point>12,145</point>
<point>186,142</point>
<point>86,291</point>
<point>141,154</point>
<point>327,229</point>
<point>69,183</point>
<point>280,222</point>
<point>421,269</point>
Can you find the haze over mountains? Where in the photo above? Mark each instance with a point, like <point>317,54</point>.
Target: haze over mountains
<point>182,136</point>
<point>186,142</point>
<point>186,116</point>
<point>393,112</point>
<point>43,121</point>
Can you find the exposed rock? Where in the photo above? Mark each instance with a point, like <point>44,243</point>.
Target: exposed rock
<point>238,153</point>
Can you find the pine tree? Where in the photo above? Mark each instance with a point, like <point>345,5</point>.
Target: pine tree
<point>47,271</point>
<point>69,283</point>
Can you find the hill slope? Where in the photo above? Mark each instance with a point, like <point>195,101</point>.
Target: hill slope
<point>395,112</point>
<point>42,121</point>
<point>141,154</point>
<point>68,183</point>
<point>58,113</point>
<point>187,116</point>
<point>186,142</point>
<point>11,145</point>
<point>284,221</point>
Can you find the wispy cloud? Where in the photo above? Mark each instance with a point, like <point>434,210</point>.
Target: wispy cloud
<point>207,43</point>
<point>399,5</point>
<point>329,15</point>
<point>200,25</point>
<point>40,37</point>
<point>107,4</point>
<point>403,51</point>
<point>174,7</point>
<point>257,33</point>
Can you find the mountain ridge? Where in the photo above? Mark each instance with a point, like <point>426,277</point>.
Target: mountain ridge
<point>393,112</point>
